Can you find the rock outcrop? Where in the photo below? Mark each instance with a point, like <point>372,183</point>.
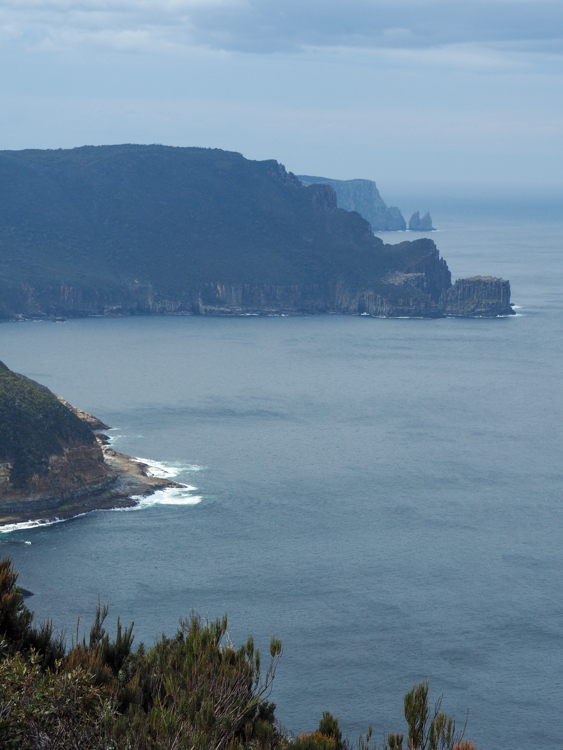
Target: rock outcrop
<point>52,464</point>
<point>424,224</point>
<point>479,296</point>
<point>363,197</point>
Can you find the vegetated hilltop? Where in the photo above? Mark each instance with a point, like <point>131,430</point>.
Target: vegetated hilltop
<point>155,229</point>
<point>362,196</point>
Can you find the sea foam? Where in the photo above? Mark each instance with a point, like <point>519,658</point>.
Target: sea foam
<point>167,496</point>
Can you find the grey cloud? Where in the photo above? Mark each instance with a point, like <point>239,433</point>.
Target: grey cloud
<point>266,26</point>
<point>296,24</point>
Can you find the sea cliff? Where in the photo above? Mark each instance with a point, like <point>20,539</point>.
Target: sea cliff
<point>127,230</point>
<point>420,287</point>
<point>479,296</point>
<point>362,196</point>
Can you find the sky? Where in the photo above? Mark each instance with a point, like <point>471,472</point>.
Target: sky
<point>405,92</point>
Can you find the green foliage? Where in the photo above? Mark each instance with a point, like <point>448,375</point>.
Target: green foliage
<point>33,426</point>
<point>15,617</point>
<point>59,708</point>
<point>327,737</point>
<point>425,733</point>
<point>17,631</point>
<point>328,726</point>
<point>200,692</point>
<point>194,690</point>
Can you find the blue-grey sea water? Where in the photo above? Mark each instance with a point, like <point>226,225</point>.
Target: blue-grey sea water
<point>384,495</point>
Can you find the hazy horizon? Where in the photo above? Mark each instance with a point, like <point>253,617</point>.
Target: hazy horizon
<point>414,91</point>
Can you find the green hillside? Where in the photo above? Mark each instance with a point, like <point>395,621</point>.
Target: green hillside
<point>33,423</point>
<point>176,217</point>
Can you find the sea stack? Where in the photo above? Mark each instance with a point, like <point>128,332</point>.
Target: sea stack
<point>424,224</point>
<point>478,297</point>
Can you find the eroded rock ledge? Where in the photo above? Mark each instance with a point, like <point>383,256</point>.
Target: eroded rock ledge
<point>125,479</point>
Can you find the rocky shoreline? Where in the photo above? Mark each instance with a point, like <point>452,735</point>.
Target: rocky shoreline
<point>422,290</point>
<point>128,480</point>
<point>56,461</point>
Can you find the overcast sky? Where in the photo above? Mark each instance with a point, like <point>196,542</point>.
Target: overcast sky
<point>400,91</point>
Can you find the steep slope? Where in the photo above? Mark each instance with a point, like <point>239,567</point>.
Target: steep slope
<point>362,196</point>
<point>45,448</point>
<point>52,464</point>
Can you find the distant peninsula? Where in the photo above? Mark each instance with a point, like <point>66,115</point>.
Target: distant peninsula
<point>54,461</point>
<point>363,197</point>
<point>136,230</point>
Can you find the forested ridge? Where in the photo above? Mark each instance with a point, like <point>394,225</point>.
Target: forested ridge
<point>177,217</point>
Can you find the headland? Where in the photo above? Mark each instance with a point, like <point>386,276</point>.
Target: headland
<point>55,462</point>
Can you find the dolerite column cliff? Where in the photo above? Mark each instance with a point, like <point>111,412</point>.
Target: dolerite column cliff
<point>478,296</point>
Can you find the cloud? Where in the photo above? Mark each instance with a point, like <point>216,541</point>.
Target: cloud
<point>292,24</point>
<point>269,26</point>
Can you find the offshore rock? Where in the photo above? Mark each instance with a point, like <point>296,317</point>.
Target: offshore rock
<point>479,296</point>
<point>424,224</point>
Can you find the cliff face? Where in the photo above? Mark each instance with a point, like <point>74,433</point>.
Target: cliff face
<point>421,288</point>
<point>48,455</point>
<point>78,470</point>
<point>479,296</point>
<point>362,196</point>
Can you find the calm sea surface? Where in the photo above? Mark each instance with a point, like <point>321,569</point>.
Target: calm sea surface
<point>384,495</point>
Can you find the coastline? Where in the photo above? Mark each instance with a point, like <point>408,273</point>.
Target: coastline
<point>129,481</point>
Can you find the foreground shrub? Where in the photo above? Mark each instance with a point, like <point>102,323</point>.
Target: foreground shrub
<point>193,691</point>
<point>52,709</point>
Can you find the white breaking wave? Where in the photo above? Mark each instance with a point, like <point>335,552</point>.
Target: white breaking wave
<point>25,525</point>
<point>169,496</point>
<point>168,470</point>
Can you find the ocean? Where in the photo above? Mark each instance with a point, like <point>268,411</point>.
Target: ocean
<point>384,495</point>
